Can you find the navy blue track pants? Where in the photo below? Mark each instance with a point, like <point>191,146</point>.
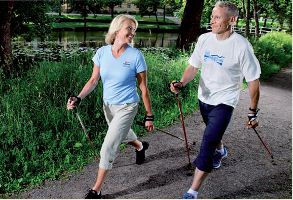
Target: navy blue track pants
<point>217,119</point>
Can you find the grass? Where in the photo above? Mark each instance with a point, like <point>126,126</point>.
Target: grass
<point>43,140</point>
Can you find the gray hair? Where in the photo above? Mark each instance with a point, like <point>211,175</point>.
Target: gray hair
<point>232,8</point>
<point>116,25</point>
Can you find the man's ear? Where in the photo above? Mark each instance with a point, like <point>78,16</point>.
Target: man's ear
<point>233,20</point>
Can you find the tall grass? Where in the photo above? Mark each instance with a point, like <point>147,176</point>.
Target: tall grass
<point>42,140</point>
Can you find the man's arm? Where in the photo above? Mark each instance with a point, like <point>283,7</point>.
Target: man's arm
<point>254,93</point>
<point>187,76</point>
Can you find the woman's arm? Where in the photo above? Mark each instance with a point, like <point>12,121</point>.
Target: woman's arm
<point>92,82</point>
<point>142,83</point>
<point>88,87</point>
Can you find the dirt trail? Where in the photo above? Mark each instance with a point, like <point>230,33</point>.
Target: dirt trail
<point>247,172</point>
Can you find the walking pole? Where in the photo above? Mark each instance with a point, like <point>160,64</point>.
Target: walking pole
<point>85,132</point>
<point>166,132</point>
<point>266,147</point>
<point>183,127</point>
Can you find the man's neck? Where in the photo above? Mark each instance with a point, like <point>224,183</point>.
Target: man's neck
<point>225,35</point>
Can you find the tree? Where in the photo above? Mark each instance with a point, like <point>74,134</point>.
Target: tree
<point>190,25</point>
<point>30,17</point>
<point>147,7</point>
<point>111,4</point>
<point>84,7</point>
<point>255,15</point>
<point>247,17</point>
<point>207,11</point>
<point>283,11</point>
<point>19,17</point>
<point>6,8</point>
<point>169,6</point>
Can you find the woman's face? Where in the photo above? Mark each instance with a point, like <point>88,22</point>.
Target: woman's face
<point>126,33</point>
<point>220,20</point>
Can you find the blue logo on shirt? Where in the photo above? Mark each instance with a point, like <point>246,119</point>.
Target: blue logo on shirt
<point>126,64</point>
<point>214,58</point>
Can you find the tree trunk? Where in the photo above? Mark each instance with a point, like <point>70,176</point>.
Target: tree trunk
<point>84,22</point>
<point>112,11</point>
<point>243,5</point>
<point>247,18</point>
<point>6,59</point>
<point>84,29</point>
<point>164,13</point>
<point>157,20</point>
<point>265,21</point>
<point>190,25</point>
<point>255,15</point>
<point>60,7</point>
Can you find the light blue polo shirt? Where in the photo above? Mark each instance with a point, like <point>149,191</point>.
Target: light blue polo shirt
<point>119,74</point>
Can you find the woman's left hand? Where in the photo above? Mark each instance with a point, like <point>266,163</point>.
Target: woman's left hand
<point>149,126</point>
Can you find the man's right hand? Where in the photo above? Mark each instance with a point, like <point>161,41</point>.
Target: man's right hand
<point>252,118</point>
<point>73,102</point>
<point>176,86</point>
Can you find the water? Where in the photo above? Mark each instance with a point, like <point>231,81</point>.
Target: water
<point>141,39</point>
<point>71,42</point>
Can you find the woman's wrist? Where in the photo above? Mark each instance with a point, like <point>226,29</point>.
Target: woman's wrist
<point>149,118</point>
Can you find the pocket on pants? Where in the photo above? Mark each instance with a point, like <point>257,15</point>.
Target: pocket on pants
<point>130,106</point>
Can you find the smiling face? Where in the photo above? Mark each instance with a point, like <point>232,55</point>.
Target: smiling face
<point>221,21</point>
<point>126,33</point>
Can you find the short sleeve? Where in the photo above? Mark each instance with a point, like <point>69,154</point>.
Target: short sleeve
<point>97,57</point>
<point>194,59</point>
<point>140,63</point>
<point>250,65</point>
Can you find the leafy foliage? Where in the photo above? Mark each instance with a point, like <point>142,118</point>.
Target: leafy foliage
<point>29,17</point>
<point>274,51</point>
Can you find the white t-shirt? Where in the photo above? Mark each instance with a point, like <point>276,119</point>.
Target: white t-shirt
<point>223,65</point>
<point>119,74</point>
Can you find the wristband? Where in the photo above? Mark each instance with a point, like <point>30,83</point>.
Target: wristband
<point>253,116</point>
<point>254,110</point>
<point>77,102</point>
<point>149,118</point>
<point>181,84</point>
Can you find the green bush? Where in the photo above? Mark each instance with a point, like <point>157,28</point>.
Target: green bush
<point>274,51</point>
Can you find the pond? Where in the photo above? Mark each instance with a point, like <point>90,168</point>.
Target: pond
<point>70,42</point>
<point>97,39</point>
<point>143,39</point>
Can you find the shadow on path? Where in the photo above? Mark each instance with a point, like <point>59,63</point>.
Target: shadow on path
<point>157,180</point>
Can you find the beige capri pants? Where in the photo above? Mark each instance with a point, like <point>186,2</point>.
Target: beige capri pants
<point>119,119</point>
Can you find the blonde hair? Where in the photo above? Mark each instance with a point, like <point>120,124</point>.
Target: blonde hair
<point>232,8</point>
<point>116,25</point>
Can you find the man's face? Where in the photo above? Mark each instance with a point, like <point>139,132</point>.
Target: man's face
<point>220,20</point>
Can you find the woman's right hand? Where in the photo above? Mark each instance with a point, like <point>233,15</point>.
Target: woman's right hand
<point>73,102</point>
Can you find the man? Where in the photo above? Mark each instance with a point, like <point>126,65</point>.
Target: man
<point>224,58</point>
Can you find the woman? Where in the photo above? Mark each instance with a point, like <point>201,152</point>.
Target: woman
<point>120,66</point>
